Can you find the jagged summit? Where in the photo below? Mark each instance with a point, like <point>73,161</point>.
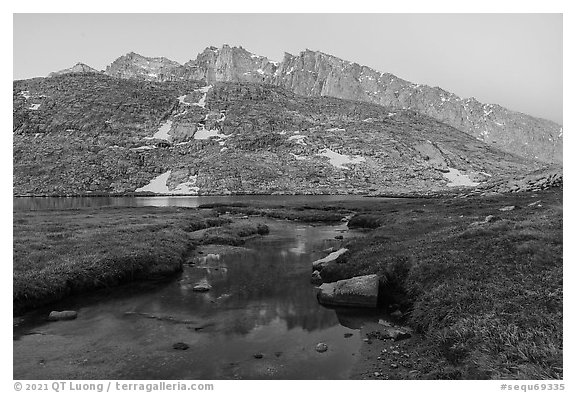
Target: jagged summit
<point>134,65</point>
<point>313,73</point>
<point>78,67</point>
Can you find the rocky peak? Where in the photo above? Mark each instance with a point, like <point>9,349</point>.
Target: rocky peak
<point>76,68</point>
<point>135,66</point>
<point>229,64</point>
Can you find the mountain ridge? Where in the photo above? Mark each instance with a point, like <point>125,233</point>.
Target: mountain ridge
<point>78,134</point>
<point>315,73</point>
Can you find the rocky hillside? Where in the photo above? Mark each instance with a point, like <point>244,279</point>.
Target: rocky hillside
<point>92,133</point>
<point>315,74</point>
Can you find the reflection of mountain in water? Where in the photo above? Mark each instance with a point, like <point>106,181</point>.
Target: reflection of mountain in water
<point>249,290</point>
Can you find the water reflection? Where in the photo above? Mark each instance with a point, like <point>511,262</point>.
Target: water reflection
<point>46,203</point>
<point>260,301</point>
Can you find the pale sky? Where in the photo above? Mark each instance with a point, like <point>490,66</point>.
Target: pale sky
<point>514,60</point>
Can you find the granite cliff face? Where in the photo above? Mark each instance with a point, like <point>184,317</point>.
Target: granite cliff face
<point>91,133</point>
<point>315,74</point>
<point>228,65</point>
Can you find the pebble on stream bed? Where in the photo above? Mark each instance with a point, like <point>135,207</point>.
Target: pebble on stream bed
<point>180,346</point>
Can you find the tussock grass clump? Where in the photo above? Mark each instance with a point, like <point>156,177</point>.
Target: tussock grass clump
<point>233,234</point>
<point>365,221</point>
<point>295,213</point>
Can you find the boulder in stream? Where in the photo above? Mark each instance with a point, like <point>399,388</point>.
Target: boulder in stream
<point>62,315</point>
<point>359,291</point>
<point>320,263</point>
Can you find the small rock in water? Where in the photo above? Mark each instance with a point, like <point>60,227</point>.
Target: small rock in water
<point>202,287</point>
<point>401,335</point>
<point>258,356</point>
<point>347,335</point>
<point>321,347</point>
<point>316,278</point>
<point>62,315</point>
<point>181,346</point>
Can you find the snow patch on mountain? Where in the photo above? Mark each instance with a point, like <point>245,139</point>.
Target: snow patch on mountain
<point>299,139</point>
<point>456,178</point>
<point>339,160</point>
<point>204,134</point>
<point>182,98</point>
<point>188,187</point>
<point>202,102</point>
<point>158,186</point>
<point>298,158</point>
<point>162,132</point>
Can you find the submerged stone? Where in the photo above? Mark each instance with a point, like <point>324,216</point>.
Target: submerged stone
<point>180,346</point>
<point>202,286</point>
<point>321,347</point>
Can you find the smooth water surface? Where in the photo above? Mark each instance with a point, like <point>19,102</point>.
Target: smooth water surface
<point>41,203</point>
<point>261,301</point>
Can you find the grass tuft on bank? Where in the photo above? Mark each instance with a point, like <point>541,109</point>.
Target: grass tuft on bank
<point>295,212</point>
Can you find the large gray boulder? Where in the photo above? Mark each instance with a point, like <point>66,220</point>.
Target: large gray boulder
<point>359,291</point>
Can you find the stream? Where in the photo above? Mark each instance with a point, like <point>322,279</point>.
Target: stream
<point>261,303</point>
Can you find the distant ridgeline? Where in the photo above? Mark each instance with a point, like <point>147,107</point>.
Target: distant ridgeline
<point>233,122</point>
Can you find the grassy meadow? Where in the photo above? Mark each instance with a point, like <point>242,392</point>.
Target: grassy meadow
<point>63,252</point>
<point>480,282</point>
